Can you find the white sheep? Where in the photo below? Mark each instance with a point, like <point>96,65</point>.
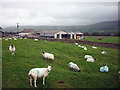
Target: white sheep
<point>6,39</point>
<point>10,38</point>
<point>12,49</point>
<point>88,56</point>
<point>48,55</point>
<point>85,48</point>
<point>94,47</point>
<point>76,43</point>
<point>104,68</point>
<point>35,39</point>
<point>90,59</point>
<point>25,38</point>
<point>104,52</point>
<point>38,73</point>
<point>82,47</point>
<point>74,66</point>
<point>15,38</point>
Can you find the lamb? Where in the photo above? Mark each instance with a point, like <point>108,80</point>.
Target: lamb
<point>48,56</point>
<point>94,47</point>
<point>38,73</point>
<point>104,68</point>
<point>104,52</point>
<point>12,49</point>
<point>76,43</point>
<point>74,66</point>
<point>35,39</point>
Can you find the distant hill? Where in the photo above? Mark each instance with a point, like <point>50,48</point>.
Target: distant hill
<point>107,26</point>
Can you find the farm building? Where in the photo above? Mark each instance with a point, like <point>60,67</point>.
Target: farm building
<point>27,32</point>
<point>60,34</point>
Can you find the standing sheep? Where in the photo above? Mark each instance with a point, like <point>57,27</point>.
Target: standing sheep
<point>12,49</point>
<point>48,55</point>
<point>38,73</point>
<point>74,66</point>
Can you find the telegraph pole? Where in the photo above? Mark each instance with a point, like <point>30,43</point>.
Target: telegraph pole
<point>17,28</point>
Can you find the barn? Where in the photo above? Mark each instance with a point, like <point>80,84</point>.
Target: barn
<point>60,34</point>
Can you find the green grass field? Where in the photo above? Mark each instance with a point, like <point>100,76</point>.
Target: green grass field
<point>105,39</point>
<point>28,56</point>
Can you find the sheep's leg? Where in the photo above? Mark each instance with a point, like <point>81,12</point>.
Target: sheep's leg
<point>31,81</point>
<point>35,82</point>
<point>44,80</point>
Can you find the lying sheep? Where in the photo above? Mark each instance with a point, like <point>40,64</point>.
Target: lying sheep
<point>12,49</point>
<point>15,38</point>
<point>74,66</point>
<point>94,47</point>
<point>10,38</point>
<point>6,39</point>
<point>76,43</point>
<point>85,48</point>
<point>35,39</point>
<point>104,52</point>
<point>48,55</point>
<point>38,73</point>
<point>90,59</point>
<point>104,68</point>
<point>88,56</point>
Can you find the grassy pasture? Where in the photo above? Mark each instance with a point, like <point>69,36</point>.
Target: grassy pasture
<point>108,39</point>
<point>28,56</point>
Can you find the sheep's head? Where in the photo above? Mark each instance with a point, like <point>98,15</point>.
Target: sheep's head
<point>49,68</point>
<point>79,70</point>
<point>43,52</point>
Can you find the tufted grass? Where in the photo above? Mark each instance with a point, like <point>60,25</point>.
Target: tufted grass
<point>28,55</point>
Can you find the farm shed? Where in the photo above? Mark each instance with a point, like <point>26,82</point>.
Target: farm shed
<point>31,31</point>
<point>60,34</point>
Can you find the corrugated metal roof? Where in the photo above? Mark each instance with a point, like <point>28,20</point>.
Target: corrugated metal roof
<point>50,32</point>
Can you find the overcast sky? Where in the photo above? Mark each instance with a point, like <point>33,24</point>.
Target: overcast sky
<point>44,12</point>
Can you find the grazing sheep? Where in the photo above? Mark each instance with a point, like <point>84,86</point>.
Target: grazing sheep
<point>74,66</point>
<point>12,49</point>
<point>104,68</point>
<point>104,52</point>
<point>48,55</point>
<point>35,39</point>
<point>82,47</point>
<point>94,47</point>
<point>76,43</point>
<point>38,73</point>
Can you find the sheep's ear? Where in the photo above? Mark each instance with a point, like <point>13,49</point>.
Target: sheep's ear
<point>51,65</point>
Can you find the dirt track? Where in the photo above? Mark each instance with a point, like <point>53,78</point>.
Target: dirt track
<point>101,44</point>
